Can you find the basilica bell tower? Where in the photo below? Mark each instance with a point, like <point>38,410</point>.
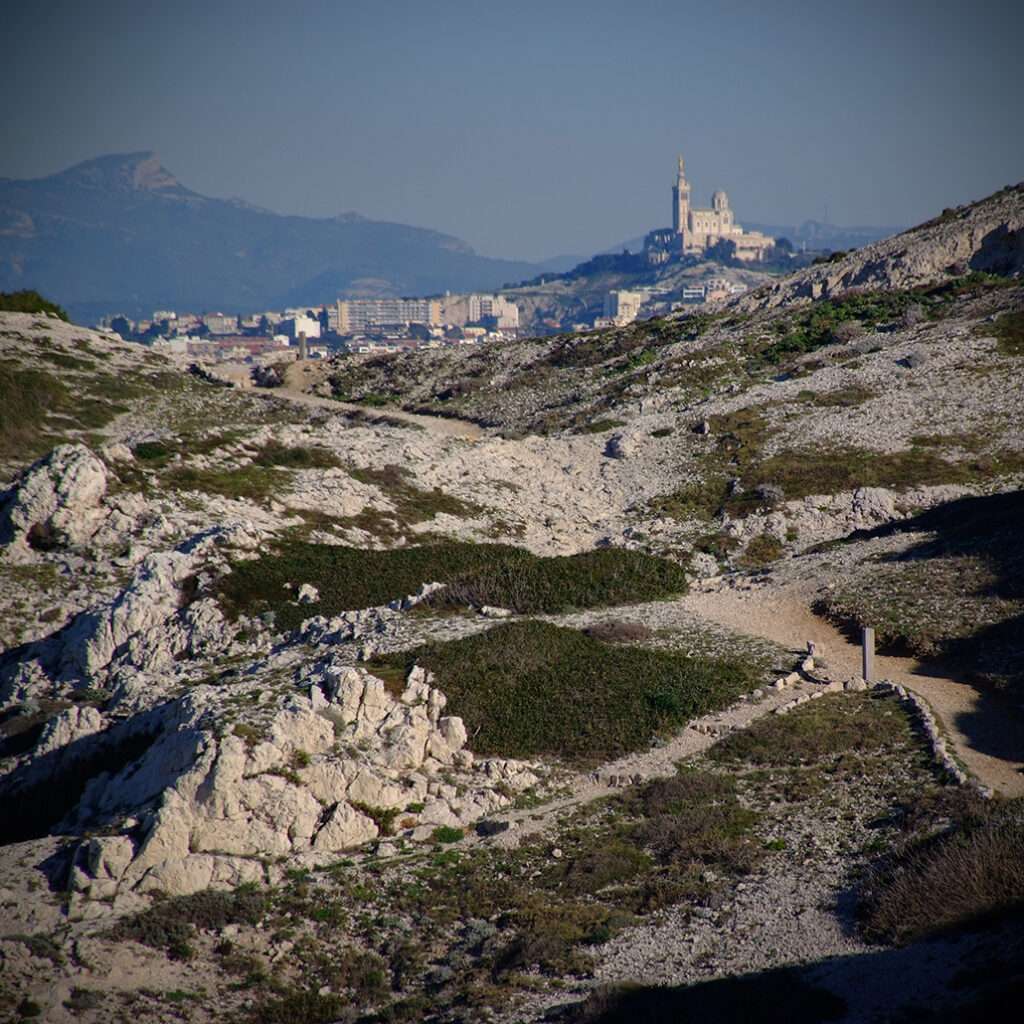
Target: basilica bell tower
<point>680,203</point>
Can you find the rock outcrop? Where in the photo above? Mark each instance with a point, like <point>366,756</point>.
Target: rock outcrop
<point>55,504</point>
<point>987,236</point>
<point>304,779</point>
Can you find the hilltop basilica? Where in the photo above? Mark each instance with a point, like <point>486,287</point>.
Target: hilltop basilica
<point>696,228</point>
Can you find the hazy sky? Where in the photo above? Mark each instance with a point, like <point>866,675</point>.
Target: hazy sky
<point>530,128</point>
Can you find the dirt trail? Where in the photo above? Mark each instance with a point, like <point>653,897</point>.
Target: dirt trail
<point>300,376</point>
<point>985,733</point>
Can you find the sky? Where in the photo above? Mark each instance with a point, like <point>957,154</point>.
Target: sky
<point>532,128</point>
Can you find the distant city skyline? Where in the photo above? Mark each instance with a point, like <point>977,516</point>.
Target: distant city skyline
<point>531,129</point>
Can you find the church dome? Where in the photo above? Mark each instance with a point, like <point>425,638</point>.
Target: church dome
<point>719,200</point>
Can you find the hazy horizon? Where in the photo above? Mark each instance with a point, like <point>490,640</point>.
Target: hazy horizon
<point>536,129</point>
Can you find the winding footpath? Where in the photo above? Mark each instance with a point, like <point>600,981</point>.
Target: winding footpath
<point>986,733</point>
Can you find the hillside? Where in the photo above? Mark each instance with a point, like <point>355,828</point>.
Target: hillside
<point>475,684</point>
<point>120,234</point>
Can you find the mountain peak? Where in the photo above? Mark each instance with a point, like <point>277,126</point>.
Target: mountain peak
<point>125,172</point>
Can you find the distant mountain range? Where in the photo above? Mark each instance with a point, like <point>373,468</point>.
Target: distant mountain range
<point>120,234</point>
<point>818,235</point>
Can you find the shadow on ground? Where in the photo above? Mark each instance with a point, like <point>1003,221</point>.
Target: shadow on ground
<point>969,975</point>
<point>984,647</point>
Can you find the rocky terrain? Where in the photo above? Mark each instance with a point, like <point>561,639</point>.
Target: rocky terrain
<point>475,684</point>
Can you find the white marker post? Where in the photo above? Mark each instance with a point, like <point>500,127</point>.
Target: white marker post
<point>867,640</point>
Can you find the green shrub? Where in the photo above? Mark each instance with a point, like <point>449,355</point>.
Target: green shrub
<point>496,574</point>
<point>299,1007</point>
<point>30,302</point>
<point>1010,333</point>
<point>151,451</point>
<point>382,817</point>
<point>447,834</point>
<point>762,550</point>
<point>170,924</point>
<point>273,453</point>
<point>530,688</point>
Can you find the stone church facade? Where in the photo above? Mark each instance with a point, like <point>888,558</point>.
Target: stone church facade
<point>696,228</point>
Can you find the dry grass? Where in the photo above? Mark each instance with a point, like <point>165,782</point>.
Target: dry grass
<point>971,870</point>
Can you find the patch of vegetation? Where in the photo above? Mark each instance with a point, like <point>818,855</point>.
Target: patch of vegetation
<point>797,473</point>
<point>826,322</point>
<point>299,1007</point>
<point>618,631</point>
<point>257,483</point>
<point>829,729</point>
<point>838,744</point>
<point>599,426</point>
<point>42,945</point>
<point>839,320</point>
<point>479,922</point>
<point>412,503</point>
<point>273,453</point>
<point>171,924</point>
<point>27,396</point>
<point>382,817</point>
<point>942,879</point>
<point>495,574</point>
<point>40,408</point>
<point>844,397</point>
<point>526,689</point>
<point>30,301</point>
<point>447,834</point>
<point>762,550</point>
<point>1010,333</point>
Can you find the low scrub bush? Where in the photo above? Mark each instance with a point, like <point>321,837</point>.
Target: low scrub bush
<point>478,574</point>
<point>171,924</point>
<point>273,453</point>
<point>762,550</point>
<point>414,504</point>
<point>27,396</point>
<point>827,728</point>
<point>530,688</point>
<point>29,301</point>
<point>971,870</point>
<point>1010,333</point>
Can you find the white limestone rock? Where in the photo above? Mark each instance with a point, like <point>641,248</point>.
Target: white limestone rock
<point>453,730</point>
<point>371,790</point>
<point>344,829</point>
<point>873,505</point>
<point>57,500</point>
<point>66,727</point>
<point>91,641</point>
<point>109,856</point>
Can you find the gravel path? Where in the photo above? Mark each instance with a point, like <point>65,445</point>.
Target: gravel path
<point>986,733</point>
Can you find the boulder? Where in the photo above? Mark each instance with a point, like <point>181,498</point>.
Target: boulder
<point>56,503</point>
<point>345,828</point>
<point>109,856</point>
